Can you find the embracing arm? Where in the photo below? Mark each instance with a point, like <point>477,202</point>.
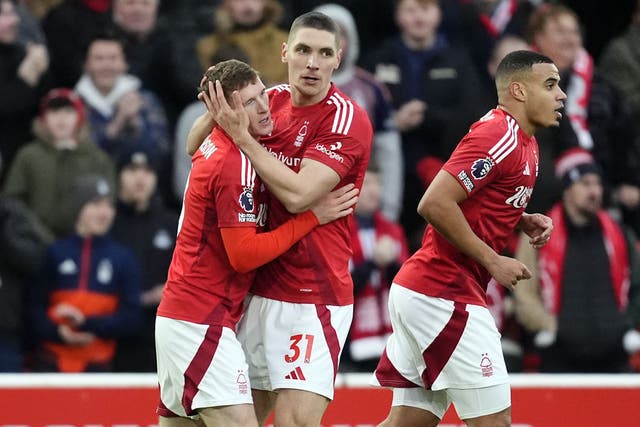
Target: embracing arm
<point>200,129</point>
<point>296,191</point>
<point>248,250</point>
<point>439,206</point>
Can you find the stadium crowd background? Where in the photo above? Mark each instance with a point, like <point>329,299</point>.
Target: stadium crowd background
<point>126,71</point>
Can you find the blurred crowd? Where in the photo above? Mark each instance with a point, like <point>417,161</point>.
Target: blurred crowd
<point>97,98</point>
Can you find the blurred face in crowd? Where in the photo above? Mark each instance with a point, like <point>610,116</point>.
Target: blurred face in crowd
<point>136,16</point>
<point>418,19</point>
<point>505,46</point>
<point>369,198</point>
<point>245,12</point>
<point>560,40</point>
<point>255,101</point>
<point>9,21</point>
<point>583,198</point>
<point>61,123</point>
<point>311,56</point>
<point>96,217</point>
<point>105,62</point>
<point>137,184</point>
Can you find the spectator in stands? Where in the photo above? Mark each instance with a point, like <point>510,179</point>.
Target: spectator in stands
<point>596,117</point>
<point>69,27</point>
<point>22,245</point>
<point>620,63</point>
<point>374,97</point>
<point>44,170</point>
<point>88,293</point>
<point>502,47</point>
<point>23,80</point>
<point>436,93</point>
<point>379,248</point>
<point>480,24</point>
<point>122,115</point>
<point>151,45</point>
<point>144,225</point>
<point>252,27</point>
<point>583,300</point>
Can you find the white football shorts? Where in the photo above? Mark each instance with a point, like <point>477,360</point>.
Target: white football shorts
<point>199,366</point>
<point>442,345</point>
<point>293,346</point>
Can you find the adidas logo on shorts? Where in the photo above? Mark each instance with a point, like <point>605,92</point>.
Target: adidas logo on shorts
<point>296,374</point>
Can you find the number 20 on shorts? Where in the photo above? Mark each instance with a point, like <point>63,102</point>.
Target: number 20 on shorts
<point>295,348</point>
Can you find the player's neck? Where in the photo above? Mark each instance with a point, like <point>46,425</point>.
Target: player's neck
<point>300,99</point>
<point>521,118</point>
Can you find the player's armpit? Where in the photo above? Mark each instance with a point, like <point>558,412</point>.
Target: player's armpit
<point>248,250</point>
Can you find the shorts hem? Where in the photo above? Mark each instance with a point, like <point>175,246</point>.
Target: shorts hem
<point>304,387</point>
<point>483,413</point>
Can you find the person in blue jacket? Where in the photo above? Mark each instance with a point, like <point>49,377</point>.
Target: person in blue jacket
<point>88,294</point>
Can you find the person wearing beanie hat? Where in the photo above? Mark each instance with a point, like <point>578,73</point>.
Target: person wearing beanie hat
<point>148,227</point>
<point>88,293</point>
<point>573,164</point>
<point>44,170</point>
<point>587,279</point>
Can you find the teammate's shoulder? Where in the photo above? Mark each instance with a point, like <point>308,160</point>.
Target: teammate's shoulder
<point>279,90</point>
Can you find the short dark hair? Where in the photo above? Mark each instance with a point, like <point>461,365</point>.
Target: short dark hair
<point>317,20</point>
<point>108,35</point>
<point>232,74</point>
<point>519,61</point>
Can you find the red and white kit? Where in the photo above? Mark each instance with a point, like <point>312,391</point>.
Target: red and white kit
<point>315,271</point>
<point>459,347</point>
<point>200,361</point>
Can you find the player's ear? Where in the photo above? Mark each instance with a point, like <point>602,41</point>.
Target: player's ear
<point>518,91</point>
<point>283,52</point>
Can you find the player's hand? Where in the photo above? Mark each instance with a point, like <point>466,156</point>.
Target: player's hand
<point>508,271</point>
<point>538,227</point>
<point>234,121</point>
<point>336,204</point>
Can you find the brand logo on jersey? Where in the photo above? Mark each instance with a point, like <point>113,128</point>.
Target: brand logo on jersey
<point>527,171</point>
<point>208,148</point>
<point>336,146</point>
<point>296,374</point>
<point>486,366</point>
<point>332,154</point>
<point>301,134</point>
<point>481,168</point>
<point>520,199</point>
<point>246,200</point>
<point>466,181</point>
<point>289,161</point>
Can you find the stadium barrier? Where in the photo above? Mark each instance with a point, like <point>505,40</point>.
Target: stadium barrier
<point>129,400</point>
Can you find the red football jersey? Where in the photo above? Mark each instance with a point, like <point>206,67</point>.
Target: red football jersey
<point>222,191</point>
<point>497,164</point>
<point>338,133</point>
